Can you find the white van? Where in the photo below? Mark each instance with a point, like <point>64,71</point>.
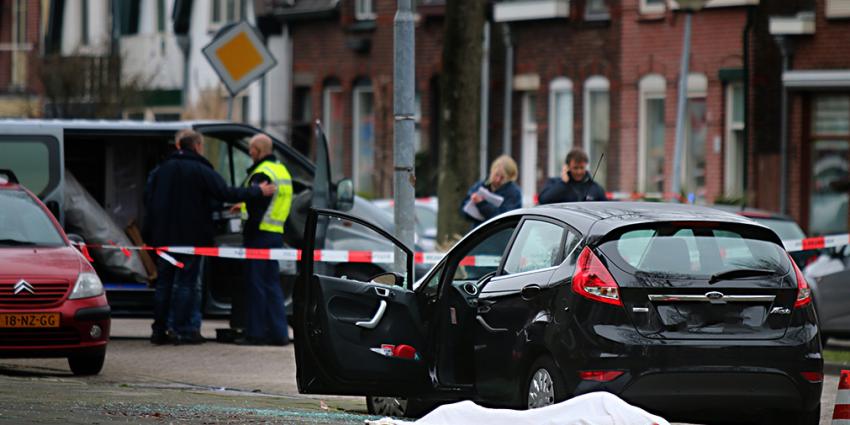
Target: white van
<point>112,159</point>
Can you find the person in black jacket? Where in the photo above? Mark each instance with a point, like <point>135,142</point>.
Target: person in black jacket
<point>574,185</point>
<point>503,174</point>
<point>180,197</point>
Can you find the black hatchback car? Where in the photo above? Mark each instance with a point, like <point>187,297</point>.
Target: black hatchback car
<point>688,312</point>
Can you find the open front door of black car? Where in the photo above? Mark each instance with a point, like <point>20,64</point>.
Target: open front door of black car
<point>354,337</point>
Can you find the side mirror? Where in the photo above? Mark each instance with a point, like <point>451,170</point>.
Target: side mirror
<point>345,195</point>
<point>388,278</point>
<point>75,238</point>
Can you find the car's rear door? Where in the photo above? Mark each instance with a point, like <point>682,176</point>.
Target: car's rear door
<point>34,152</point>
<point>351,336</point>
<point>703,280</point>
<point>515,306</point>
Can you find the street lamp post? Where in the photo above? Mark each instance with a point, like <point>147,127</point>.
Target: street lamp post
<point>689,7</point>
<point>404,128</point>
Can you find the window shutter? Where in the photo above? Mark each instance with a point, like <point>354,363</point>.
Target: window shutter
<point>837,8</point>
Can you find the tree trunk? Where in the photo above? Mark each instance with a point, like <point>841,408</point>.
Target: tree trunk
<point>460,95</point>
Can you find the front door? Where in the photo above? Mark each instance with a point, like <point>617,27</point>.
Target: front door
<point>353,336</point>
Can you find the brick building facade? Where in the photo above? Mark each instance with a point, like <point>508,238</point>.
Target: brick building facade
<point>564,89</point>
<point>20,31</point>
<point>818,120</point>
<point>603,75</point>
<point>651,52</point>
<point>342,74</point>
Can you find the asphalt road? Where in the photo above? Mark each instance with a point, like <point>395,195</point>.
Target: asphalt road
<point>209,383</point>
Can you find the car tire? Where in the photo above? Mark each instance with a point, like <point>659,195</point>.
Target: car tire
<point>388,406</point>
<point>543,385</point>
<point>87,364</point>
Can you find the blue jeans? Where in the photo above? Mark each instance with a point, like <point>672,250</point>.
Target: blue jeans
<point>265,301</point>
<point>176,300</point>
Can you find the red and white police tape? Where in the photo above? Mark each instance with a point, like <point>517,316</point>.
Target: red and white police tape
<point>379,257</point>
<point>841,412</point>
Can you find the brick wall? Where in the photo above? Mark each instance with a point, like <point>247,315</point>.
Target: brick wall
<point>814,52</point>
<point>322,50</point>
<point>575,49</point>
<point>653,45</point>
<point>32,36</point>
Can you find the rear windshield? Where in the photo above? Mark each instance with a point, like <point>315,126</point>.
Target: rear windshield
<point>24,223</point>
<point>694,250</point>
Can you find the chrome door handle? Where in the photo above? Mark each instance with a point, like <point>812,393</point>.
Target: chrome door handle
<point>487,326</point>
<point>373,322</point>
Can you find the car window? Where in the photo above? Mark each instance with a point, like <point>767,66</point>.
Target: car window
<point>33,159</point>
<point>218,154</point>
<point>23,222</point>
<point>432,285</point>
<point>426,217</point>
<point>241,163</point>
<point>537,246</point>
<point>694,251</point>
<point>484,257</point>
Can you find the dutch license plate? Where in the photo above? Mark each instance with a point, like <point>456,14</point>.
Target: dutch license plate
<point>29,320</point>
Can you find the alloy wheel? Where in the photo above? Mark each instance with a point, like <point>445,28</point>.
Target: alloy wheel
<point>541,389</point>
<point>389,406</point>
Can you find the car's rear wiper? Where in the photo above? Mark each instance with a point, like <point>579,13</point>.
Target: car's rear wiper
<point>16,242</point>
<point>739,273</point>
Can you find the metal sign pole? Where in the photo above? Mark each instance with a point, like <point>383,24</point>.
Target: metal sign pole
<point>230,108</point>
<point>404,129</point>
<point>681,109</point>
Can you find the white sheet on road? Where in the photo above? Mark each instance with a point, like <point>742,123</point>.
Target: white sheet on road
<point>598,408</point>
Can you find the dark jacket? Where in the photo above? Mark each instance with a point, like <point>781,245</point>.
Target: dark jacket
<point>257,206</point>
<point>556,191</point>
<point>510,191</point>
<point>180,197</point>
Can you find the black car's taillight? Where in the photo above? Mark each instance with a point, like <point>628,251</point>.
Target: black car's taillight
<point>804,293</point>
<point>593,281</point>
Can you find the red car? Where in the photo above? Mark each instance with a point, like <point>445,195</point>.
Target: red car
<point>52,303</point>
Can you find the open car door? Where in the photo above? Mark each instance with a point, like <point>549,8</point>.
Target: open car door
<point>354,337</point>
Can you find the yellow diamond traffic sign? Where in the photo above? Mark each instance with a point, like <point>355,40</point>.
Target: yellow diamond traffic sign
<point>238,56</point>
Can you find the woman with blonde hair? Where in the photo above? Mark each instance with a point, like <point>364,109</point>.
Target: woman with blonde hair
<point>498,194</point>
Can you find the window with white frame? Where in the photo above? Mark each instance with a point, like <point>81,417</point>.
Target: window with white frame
<point>560,123</point>
<point>830,162</point>
<point>597,131</point>
<point>651,136</point>
<point>733,183</point>
<point>652,6</point>
<point>333,110</point>
<point>364,10</point>
<point>837,8</point>
<point>223,12</point>
<point>528,159</point>
<point>696,132</point>
<point>364,140</point>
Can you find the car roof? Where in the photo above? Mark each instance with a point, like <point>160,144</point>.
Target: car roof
<point>120,125</point>
<point>599,218</point>
<point>753,212</point>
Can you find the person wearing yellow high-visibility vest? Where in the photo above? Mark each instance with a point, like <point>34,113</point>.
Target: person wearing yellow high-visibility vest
<point>263,228</point>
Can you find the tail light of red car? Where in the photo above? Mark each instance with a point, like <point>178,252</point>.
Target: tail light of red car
<point>593,281</point>
<point>804,293</point>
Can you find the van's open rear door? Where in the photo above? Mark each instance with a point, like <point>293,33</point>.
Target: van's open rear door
<point>34,152</point>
